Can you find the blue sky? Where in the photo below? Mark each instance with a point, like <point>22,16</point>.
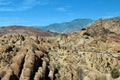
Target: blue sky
<point>44,12</point>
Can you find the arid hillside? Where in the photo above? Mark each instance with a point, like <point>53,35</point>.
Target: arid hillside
<point>25,31</point>
<point>92,53</point>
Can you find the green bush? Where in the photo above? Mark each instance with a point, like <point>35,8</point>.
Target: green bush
<point>115,73</point>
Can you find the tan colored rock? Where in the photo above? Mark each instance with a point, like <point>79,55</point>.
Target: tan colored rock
<point>15,68</point>
<point>39,74</point>
<point>8,75</point>
<point>28,65</point>
<point>94,49</point>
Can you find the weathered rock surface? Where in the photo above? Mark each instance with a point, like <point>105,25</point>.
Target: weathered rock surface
<point>88,54</point>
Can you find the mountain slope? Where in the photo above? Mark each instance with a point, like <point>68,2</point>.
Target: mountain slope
<point>25,31</point>
<point>66,27</point>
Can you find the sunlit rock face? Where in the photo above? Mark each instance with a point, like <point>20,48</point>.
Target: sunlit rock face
<point>88,54</point>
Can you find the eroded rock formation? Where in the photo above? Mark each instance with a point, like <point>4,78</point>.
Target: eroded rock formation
<point>88,54</point>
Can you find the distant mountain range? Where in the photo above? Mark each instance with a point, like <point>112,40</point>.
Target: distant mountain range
<point>67,27</point>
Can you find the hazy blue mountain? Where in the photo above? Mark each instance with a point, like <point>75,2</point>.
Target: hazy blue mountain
<point>66,27</point>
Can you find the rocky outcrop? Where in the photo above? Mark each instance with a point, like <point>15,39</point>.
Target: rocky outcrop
<point>88,54</point>
<point>29,62</point>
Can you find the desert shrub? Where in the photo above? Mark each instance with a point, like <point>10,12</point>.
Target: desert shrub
<point>80,74</point>
<point>86,33</point>
<point>83,29</point>
<point>118,51</point>
<point>115,73</point>
<point>86,37</point>
<point>2,74</point>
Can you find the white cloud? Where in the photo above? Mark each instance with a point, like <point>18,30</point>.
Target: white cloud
<point>111,14</point>
<point>6,9</point>
<point>16,5</point>
<point>4,21</point>
<point>4,2</point>
<point>67,10</point>
<point>64,9</point>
